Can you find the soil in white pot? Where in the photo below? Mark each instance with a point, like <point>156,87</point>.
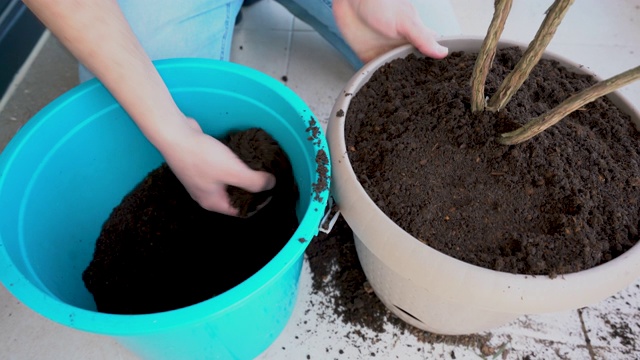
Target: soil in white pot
<point>562,202</point>
<point>159,250</point>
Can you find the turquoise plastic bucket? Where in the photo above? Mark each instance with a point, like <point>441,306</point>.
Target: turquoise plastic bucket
<point>70,165</point>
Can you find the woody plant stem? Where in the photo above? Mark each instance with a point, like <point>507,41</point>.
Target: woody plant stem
<point>574,102</point>
<point>487,53</point>
<point>531,56</point>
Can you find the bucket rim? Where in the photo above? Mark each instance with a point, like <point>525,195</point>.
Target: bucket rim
<point>112,324</point>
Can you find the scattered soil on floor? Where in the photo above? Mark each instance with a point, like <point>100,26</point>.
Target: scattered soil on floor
<point>337,275</point>
<point>564,201</point>
<point>159,250</point>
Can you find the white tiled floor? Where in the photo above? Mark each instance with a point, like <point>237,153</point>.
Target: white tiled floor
<point>602,35</point>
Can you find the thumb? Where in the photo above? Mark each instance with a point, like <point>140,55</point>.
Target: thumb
<point>423,38</point>
<point>221,204</point>
<point>433,49</point>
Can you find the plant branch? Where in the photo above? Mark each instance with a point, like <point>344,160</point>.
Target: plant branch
<point>531,56</point>
<point>574,102</point>
<point>487,53</point>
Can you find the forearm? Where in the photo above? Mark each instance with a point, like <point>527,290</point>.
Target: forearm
<point>97,34</point>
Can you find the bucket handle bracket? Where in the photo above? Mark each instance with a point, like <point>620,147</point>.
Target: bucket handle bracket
<point>331,215</point>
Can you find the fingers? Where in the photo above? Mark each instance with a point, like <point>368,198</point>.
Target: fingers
<point>214,197</point>
<point>433,49</point>
<point>217,201</point>
<point>251,180</point>
<point>423,38</point>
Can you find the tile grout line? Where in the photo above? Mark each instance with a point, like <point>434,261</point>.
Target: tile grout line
<point>22,72</point>
<point>587,340</point>
<point>288,49</point>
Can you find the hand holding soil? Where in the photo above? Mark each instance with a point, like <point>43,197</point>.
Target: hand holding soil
<point>205,166</point>
<point>159,250</point>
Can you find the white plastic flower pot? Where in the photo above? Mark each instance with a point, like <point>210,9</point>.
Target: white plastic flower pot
<point>433,291</point>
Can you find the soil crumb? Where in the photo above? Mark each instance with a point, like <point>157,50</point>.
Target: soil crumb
<point>337,274</point>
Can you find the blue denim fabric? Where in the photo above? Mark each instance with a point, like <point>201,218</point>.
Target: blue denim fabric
<point>175,28</point>
<point>436,14</point>
<point>319,15</point>
<point>204,28</point>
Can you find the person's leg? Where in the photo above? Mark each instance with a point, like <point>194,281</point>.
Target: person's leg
<point>318,15</point>
<point>174,29</point>
<point>436,14</point>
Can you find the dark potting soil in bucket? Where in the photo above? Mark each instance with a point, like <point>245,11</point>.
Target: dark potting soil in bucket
<point>159,250</point>
<point>562,202</point>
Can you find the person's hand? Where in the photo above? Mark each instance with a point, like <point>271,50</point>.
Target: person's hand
<point>205,167</point>
<point>373,27</point>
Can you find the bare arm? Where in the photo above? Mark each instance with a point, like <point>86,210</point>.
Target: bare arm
<point>98,35</point>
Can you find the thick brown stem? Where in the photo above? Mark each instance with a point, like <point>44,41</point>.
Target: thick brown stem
<point>487,53</point>
<point>531,56</point>
<point>574,102</point>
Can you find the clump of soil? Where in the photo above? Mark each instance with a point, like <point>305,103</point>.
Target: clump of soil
<point>159,250</point>
<point>322,161</point>
<point>564,201</point>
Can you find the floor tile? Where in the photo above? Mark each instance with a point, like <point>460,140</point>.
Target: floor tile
<point>26,335</point>
<point>49,77</point>
<point>543,336</point>
<point>317,72</point>
<point>299,25</point>
<point>314,332</point>
<point>262,50</point>
<point>613,326</point>
<point>265,15</point>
